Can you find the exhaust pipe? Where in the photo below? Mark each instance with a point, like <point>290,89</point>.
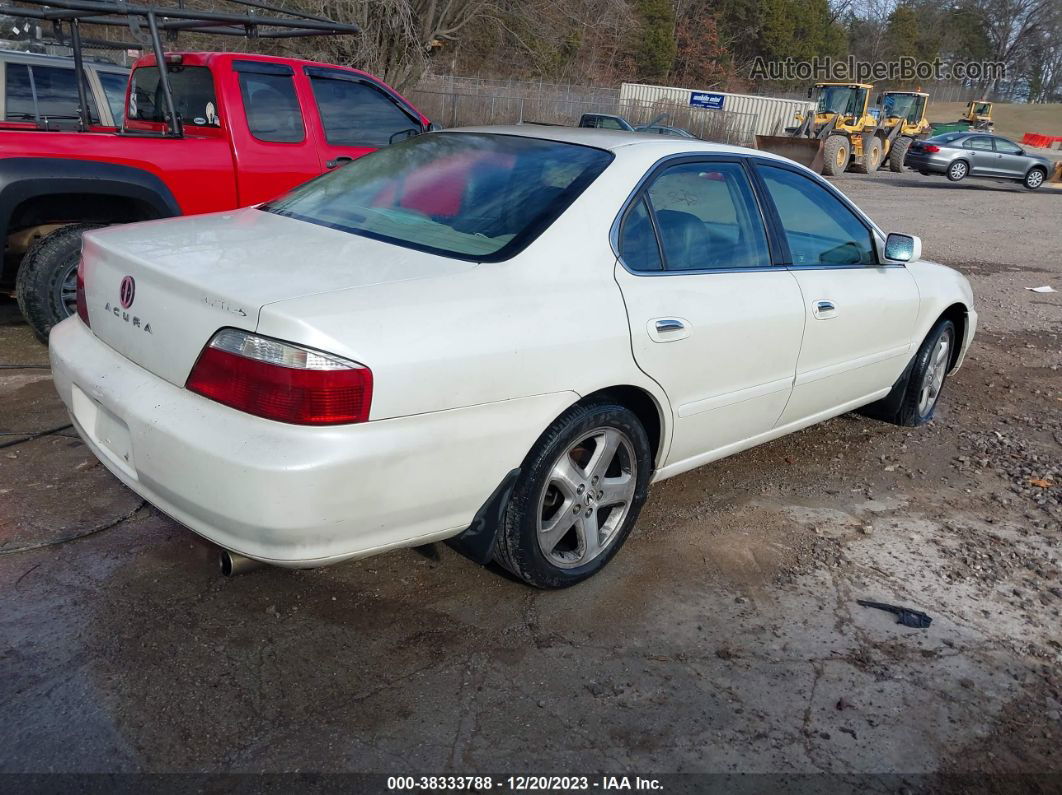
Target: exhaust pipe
<point>233,563</point>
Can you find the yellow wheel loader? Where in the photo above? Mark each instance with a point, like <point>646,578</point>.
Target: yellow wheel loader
<point>841,133</point>
<point>977,116</point>
<point>901,121</point>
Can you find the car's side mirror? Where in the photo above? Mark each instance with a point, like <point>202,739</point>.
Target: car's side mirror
<point>903,248</point>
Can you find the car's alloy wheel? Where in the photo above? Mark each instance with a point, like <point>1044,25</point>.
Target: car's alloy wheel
<point>914,397</point>
<point>936,369</point>
<point>1034,179</point>
<point>586,497</point>
<point>958,170</point>
<point>578,495</point>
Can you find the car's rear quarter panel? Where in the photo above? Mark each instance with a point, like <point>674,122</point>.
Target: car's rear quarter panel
<point>552,319</point>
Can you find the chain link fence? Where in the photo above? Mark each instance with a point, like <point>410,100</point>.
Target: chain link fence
<point>459,102</point>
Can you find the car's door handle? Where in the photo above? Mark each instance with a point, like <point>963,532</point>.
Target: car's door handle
<point>667,329</point>
<point>668,324</point>
<point>342,160</point>
<point>823,309</point>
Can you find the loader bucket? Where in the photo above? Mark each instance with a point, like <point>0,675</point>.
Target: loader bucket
<point>806,151</point>
<point>1057,175</point>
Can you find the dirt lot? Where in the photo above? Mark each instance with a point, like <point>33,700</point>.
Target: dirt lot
<point>724,638</point>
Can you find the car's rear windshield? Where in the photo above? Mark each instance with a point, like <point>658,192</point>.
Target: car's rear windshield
<point>193,95</point>
<point>947,138</point>
<point>473,196</point>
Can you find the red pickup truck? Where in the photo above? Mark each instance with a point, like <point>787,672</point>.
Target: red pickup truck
<point>252,126</point>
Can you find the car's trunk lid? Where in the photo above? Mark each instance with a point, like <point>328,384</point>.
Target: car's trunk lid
<point>158,291</point>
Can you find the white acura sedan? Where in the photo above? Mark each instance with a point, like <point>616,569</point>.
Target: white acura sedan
<point>498,336</point>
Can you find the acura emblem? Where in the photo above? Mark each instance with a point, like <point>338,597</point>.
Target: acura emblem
<point>127,292</point>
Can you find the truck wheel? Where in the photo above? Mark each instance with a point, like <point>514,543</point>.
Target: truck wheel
<point>47,278</point>
<point>835,155</point>
<point>871,158</point>
<point>898,153</point>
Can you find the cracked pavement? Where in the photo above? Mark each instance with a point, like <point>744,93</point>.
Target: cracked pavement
<point>725,637</point>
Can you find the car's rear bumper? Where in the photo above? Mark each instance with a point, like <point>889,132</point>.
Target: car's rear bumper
<point>286,494</point>
<point>919,161</point>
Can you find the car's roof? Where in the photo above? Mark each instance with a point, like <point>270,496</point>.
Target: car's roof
<point>67,61</point>
<point>614,140</point>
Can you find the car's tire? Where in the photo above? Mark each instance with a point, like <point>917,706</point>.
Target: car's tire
<point>871,158</point>
<point>958,170</point>
<point>545,535</point>
<point>1035,178</point>
<point>46,278</point>
<point>835,154</point>
<point>921,392</point>
<point>898,153</point>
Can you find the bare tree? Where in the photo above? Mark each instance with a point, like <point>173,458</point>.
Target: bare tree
<point>398,36</point>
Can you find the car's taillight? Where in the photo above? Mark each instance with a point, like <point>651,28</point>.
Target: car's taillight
<point>281,381</point>
<point>82,305</point>
<point>930,148</point>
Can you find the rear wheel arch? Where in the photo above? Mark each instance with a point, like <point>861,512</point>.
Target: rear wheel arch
<point>645,407</point>
<point>44,191</point>
<point>951,165</point>
<point>46,211</point>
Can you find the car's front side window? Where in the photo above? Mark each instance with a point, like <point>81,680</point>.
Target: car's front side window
<point>708,218</point>
<point>819,228</point>
<point>1007,147</point>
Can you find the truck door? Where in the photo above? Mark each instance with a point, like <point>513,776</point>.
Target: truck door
<point>356,115</point>
<point>274,150</point>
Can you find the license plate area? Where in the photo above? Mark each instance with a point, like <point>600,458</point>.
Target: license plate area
<point>106,430</point>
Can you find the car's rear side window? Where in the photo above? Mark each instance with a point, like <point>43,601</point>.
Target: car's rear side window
<point>707,217</point>
<point>355,113</point>
<point>114,85</point>
<point>43,92</point>
<point>18,98</point>
<point>637,242</point>
<point>272,107</point>
<point>474,196</point>
<point>819,228</point>
<point>981,143</point>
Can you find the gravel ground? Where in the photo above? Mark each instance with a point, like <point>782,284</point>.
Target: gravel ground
<point>725,637</point>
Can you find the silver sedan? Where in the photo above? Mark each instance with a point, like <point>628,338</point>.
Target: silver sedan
<point>962,154</point>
